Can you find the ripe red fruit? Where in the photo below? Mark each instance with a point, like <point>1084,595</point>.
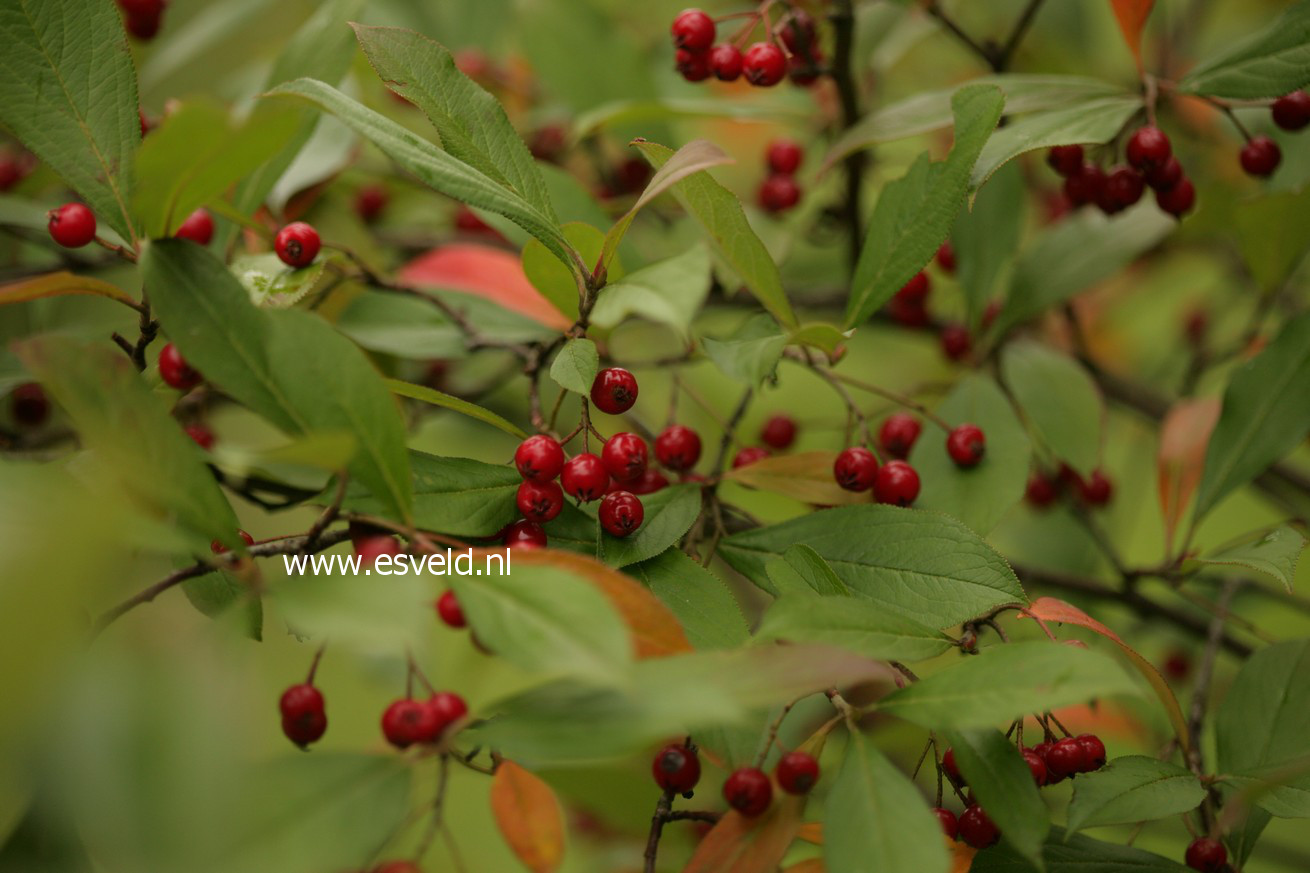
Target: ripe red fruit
<point>1178,200</point>
<point>29,405</point>
<point>1093,753</point>
<point>749,455</point>
<point>955,341</point>
<point>647,483</point>
<point>779,431</point>
<point>11,171</point>
<point>1041,750</point>
<point>950,769</point>
<point>539,458</point>
<point>797,772</point>
<point>1123,187</point>
<point>304,719</point>
<point>966,445</point>
<point>470,222</point>
<point>449,610</point>
<point>1064,758</point>
<point>297,244</point>
<point>1036,766</point>
<point>778,193</point>
<point>406,722</point>
<point>911,313</point>
<point>1292,111</point>
<point>898,434</point>
<point>693,65</point>
<point>855,469</point>
<point>373,546</point>
<point>142,7</point>
<point>1177,665</point>
<point>548,142</point>
<point>203,436</point>
<point>584,477</point>
<point>198,227</point>
<point>977,829</point>
<point>764,64</point>
<point>1041,491</point>
<point>525,534</point>
<point>175,371</point>
<point>624,456</point>
<point>144,26</point>
<point>783,156</point>
<point>897,484</point>
<point>916,289</point>
<point>950,824</point>
<point>1206,855</point>
<point>676,768</point>
<point>749,791</point>
<point>946,257</point>
<point>1165,176</point>
<point>614,390</point>
<point>539,501</point>
<point>1096,490</point>
<point>726,62</point>
<point>446,708</point>
<point>1148,147</point>
<point>218,548</point>
<point>1261,156</point>
<point>370,200</point>
<point>1065,160</point>
<point>798,33</point>
<point>1084,186</point>
<point>693,29</point>
<point>678,447</point>
<point>621,513</point>
<point>72,225</point>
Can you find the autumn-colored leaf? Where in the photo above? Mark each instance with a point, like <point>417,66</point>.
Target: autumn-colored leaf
<point>811,832</point>
<point>1184,436</point>
<point>61,284</point>
<point>803,476</point>
<point>529,817</point>
<point>738,844</point>
<point>491,273</point>
<point>961,855</point>
<point>1132,15</point>
<point>813,865</point>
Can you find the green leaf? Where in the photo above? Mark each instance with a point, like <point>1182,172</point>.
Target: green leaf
<point>412,328</point>
<point>1266,414</point>
<point>915,213</point>
<point>58,285</point>
<point>272,284</point>
<point>1274,552</point>
<point>457,496</point>
<point>1133,789</point>
<point>1076,854</point>
<point>801,570</point>
<point>851,623</point>
<point>985,239</point>
<point>709,614</point>
<point>68,92</point>
<point>669,292</point>
<point>1059,399</point>
<point>1000,779</point>
<point>1273,62</point>
<point>1005,682</point>
<point>1272,239</point>
<point>720,213</point>
<point>556,281</point>
<point>669,514</point>
<point>978,496</point>
<point>458,404</point>
<point>875,818</point>
<point>574,368</point>
<point>750,354</point>
<point>917,564</point>
<point>213,595</point>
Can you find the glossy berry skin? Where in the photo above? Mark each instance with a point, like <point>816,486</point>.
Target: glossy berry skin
<point>450,612</point>
<point>198,227</point>
<point>694,66</point>
<point>916,289</point>
<point>304,718</point>
<point>945,257</point>
<point>676,768</point>
<point>1123,187</point>
<point>1093,753</point>
<point>966,445</point>
<point>621,513</point>
<point>1036,766</point>
<point>1165,176</point>
<point>955,342</point>
<point>764,64</point>
<point>200,434</point>
<point>1064,758</point>
<point>175,371</point>
<point>29,405</point>
<point>977,829</point>
<point>748,456</point>
<point>539,458</point>
<point>1206,855</point>
<point>446,708</point>
<point>1084,186</point>
<point>778,193</point>
<point>647,483</point>
<point>693,29</point>
<point>614,390</point>
<point>855,469</point>
<point>1148,147</point>
<point>779,431</point>
<point>797,772</point>
<point>950,824</point>
<point>1178,200</point>
<point>525,534</point>
<point>898,434</point>
<point>539,501</point>
<point>1261,156</point>
<point>406,722</point>
<point>1065,160</point>
<point>897,484</point>
<point>749,791</point>
<point>72,225</point>
<point>370,200</point>
<point>297,244</point>
<point>370,548</point>
<point>1096,490</point>
<point>585,478</point>
<point>1041,491</point>
<point>1292,111</point>
<point>784,156</point>
<point>726,62</point>
<point>678,447</point>
<point>625,456</point>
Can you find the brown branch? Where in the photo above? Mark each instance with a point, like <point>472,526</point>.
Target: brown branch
<point>843,76</point>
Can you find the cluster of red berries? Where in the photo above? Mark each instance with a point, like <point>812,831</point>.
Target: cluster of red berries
<point>778,433</point>
<point>1044,489</point>
<point>748,790</point>
<point>1151,162</point>
<point>791,49</point>
<point>909,307</point>
<point>779,191</point>
<point>896,482</point>
<point>143,17</point>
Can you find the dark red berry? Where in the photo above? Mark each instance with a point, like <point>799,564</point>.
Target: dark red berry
<point>855,469</point>
<point>1084,186</point>
<point>1093,753</point>
<point>911,313</point>
<point>11,171</point>
<point>1064,758</point>
<point>1041,750</point>
<point>621,513</point>
<point>748,456</point>
<point>797,772</point>
<point>406,722</point>
<point>1065,160</point>
<point>1165,176</point>
<point>304,718</point>
<point>525,534</point>
<point>749,791</point>
<point>778,193</point>
<point>1148,147</point>
<point>142,7</point>
<point>549,142</point>
<point>647,483</point>
<point>624,456</point>
<point>1206,855</point>
<point>29,405</point>
<point>955,342</point>
<point>614,390</point>
<point>72,225</point>
<point>798,34</point>
<point>1123,187</point>
<point>143,26</point>
<point>693,29</point>
<point>1096,490</point>
<point>676,768</point>
<point>449,610</point>
<point>297,244</point>
<point>898,434</point>
<point>678,447</point>
<point>1041,491</point>
<point>949,767</point>
<point>950,824</point>
<point>966,445</point>
<point>946,257</point>
<point>784,156</point>
<point>1196,326</point>
<point>1036,766</point>
<point>1292,111</point>
<point>202,435</point>
<point>585,478</point>
<point>693,65</point>
<point>471,223</point>
<point>1177,665</point>
<point>539,458</point>
<point>726,62</point>
<point>175,371</point>
<point>916,289</point>
<point>764,64</point>
<point>371,547</point>
<point>1261,156</point>
<point>219,549</point>
<point>198,227</point>
<point>446,708</point>
<point>779,431</point>
<point>1178,200</point>
<point>977,829</point>
<point>539,501</point>
<point>370,200</point>
<point>897,484</point>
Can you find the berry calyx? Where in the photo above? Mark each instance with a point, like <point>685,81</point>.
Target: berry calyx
<point>784,156</point>
<point>764,64</point>
<point>621,513</point>
<point>1036,766</point>
<point>175,371</point>
<point>855,469</point>
<point>1206,855</point>
<point>539,501</point>
<point>1292,111</point>
<point>72,225</point>
<point>678,447</point>
<point>726,62</point>
<point>624,456</point>
<point>584,477</point>
<point>539,458</point>
<point>1178,200</point>
<point>898,434</point>
<point>797,772</point>
<point>693,65</point>
<point>779,431</point>
<point>370,200</point>
<point>371,547</point>
<point>525,534</point>
<point>29,405</point>
<point>676,768</point>
<point>446,708</point>
<point>304,718</point>
<point>966,445</point>
<point>1093,753</point>
<point>406,722</point>
<point>449,611</point>
<point>749,455</point>
<point>1148,147</point>
<point>1261,156</point>
<point>950,824</point>
<point>693,30</point>
<point>614,390</point>
<point>1064,758</point>
<point>297,244</point>
<point>1065,160</point>
<point>749,791</point>
<point>198,227</point>
<point>897,484</point>
<point>778,193</point>
<point>977,829</point>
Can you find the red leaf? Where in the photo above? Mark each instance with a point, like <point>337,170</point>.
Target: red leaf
<point>1132,15</point>
<point>529,816</point>
<point>483,271</point>
<point>1184,436</point>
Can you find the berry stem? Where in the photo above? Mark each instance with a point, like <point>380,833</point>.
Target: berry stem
<point>772,738</point>
<point>887,394</point>
<point>844,77</point>
<point>313,665</point>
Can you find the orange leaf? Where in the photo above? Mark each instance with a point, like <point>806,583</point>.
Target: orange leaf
<point>1184,436</point>
<point>529,816</point>
<point>961,855</point>
<point>483,271</point>
<point>59,284</point>
<point>1132,15</point>
<point>1054,609</point>
<point>814,865</point>
<point>749,845</point>
<point>811,832</point>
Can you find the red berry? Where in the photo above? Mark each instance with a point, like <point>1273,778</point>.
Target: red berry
<point>198,227</point>
<point>798,33</point>
<point>898,434</point>
<point>797,772</point>
<point>950,769</point>
<point>911,313</point>
<point>946,257</point>
<point>726,62</point>
<point>1093,753</point>
<point>1041,750</point>
<point>977,829</point>
<point>784,156</point>
<point>29,405</point>
<point>678,447</point>
<point>297,244</point>
<point>11,171</point>
<point>916,289</point>
<point>624,456</point>
<point>406,722</point>
<point>203,436</point>
<point>693,65</point>
<point>749,791</point>
<point>1036,766</point>
<point>778,193</point>
<point>614,390</point>
<point>855,469</point>
<point>779,431</point>
<point>585,478</point>
<point>955,341</point>
<point>1177,665</point>
<point>175,371</point>
<point>693,29</point>
<point>1261,156</point>
<point>950,825</point>
<point>525,534</point>
<point>1178,200</point>
<point>676,768</point>
<point>966,445</point>
<point>72,225</point>
<point>621,513</point>
<point>764,64</point>
<point>304,719</point>
<point>748,456</point>
<point>142,7</point>
<point>446,708</point>
<point>1041,491</point>
<point>1148,147</point>
<point>539,501</point>
<point>1064,758</point>
<point>1165,176</point>
<point>1096,490</point>
<point>647,483</point>
<point>470,222</point>
<point>373,546</point>
<point>549,142</point>
<point>1084,186</point>
<point>219,549</point>
<point>897,484</point>
<point>1206,855</point>
<point>1065,160</point>
<point>449,610</point>
<point>143,26</point>
<point>539,458</point>
<point>370,200</point>
<point>1292,112</point>
<point>1123,187</point>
